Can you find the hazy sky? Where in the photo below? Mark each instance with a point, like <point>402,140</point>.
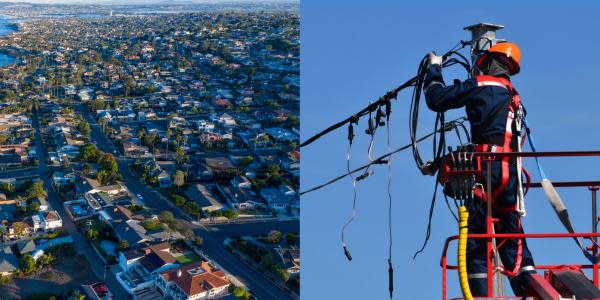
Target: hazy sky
<point>139,1</point>
<point>355,51</point>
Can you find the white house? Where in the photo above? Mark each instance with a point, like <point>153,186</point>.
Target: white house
<point>50,220</point>
<point>141,265</point>
<point>227,120</point>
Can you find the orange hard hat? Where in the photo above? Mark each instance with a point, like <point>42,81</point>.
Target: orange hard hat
<point>507,50</point>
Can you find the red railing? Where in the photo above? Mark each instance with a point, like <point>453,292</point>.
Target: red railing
<point>593,186</point>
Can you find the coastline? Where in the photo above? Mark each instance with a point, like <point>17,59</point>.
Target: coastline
<point>8,55</point>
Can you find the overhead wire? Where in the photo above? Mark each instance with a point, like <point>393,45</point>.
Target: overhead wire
<point>448,126</point>
<point>354,194</point>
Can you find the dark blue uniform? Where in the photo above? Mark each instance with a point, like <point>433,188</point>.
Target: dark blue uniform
<point>487,111</point>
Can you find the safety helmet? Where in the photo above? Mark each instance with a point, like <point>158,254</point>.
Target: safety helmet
<point>504,50</point>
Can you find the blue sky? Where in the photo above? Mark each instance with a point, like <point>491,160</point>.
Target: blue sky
<point>355,52</point>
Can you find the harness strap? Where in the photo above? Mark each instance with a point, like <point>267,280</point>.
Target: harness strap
<point>514,107</point>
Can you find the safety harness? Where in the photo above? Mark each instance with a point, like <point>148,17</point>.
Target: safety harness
<point>453,178</point>
<point>513,130</point>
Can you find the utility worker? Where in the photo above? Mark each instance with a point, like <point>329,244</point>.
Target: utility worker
<point>493,109</point>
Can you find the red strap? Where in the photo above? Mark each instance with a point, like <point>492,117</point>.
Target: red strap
<point>515,271</point>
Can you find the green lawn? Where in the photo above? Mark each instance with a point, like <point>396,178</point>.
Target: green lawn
<point>187,258</point>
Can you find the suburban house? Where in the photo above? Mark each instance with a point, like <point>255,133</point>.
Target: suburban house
<point>50,220</point>
<point>90,185</point>
<point>18,229</point>
<point>164,169</point>
<point>8,261</point>
<point>141,265</point>
<point>193,281</point>
<point>129,227</point>
<point>289,259</point>
<point>241,182</point>
<point>203,197</point>
<point>277,199</point>
<point>240,198</point>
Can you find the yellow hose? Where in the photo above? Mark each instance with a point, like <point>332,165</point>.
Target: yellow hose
<point>463,231</point>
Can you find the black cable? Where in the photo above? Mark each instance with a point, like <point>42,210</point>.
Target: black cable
<point>449,126</point>
<point>389,194</point>
<point>387,97</point>
<point>354,194</point>
<point>431,209</point>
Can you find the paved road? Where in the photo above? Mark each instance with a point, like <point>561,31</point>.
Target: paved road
<point>81,244</point>
<point>212,245</point>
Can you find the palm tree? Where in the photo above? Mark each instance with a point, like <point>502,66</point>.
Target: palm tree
<point>169,134</point>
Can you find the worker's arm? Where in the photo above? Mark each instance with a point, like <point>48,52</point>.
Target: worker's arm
<point>440,97</point>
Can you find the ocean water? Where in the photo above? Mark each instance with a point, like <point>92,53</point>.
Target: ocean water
<point>4,30</point>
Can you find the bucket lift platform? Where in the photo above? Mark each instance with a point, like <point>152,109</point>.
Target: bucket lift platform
<point>559,281</point>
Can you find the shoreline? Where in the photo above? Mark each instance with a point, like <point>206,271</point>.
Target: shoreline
<point>8,54</point>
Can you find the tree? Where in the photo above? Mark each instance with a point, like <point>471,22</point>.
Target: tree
<point>87,168</point>
<point>84,128</point>
<point>109,163</point>
<point>241,293</point>
<point>76,295</point>
<point>103,177</point>
<point>230,214</point>
<point>46,260</point>
<point>281,273</point>
<point>166,216</point>
<point>27,264</point>
<point>179,179</point>
<point>4,280</point>
<point>123,244</point>
<point>245,161</point>
<point>178,200</point>
<point>8,188</point>
<point>179,155</point>
<point>169,134</point>
<point>89,153</point>
<point>91,234</point>
<point>274,236</point>
<point>36,190</point>
<point>34,206</point>
<point>290,238</point>
<point>191,208</point>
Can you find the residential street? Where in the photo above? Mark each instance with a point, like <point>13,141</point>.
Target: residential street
<point>81,244</point>
<point>213,240</point>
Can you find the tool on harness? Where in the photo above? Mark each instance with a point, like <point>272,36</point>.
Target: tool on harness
<point>555,201</point>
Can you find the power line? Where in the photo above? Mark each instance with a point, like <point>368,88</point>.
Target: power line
<point>385,99</point>
<point>382,159</point>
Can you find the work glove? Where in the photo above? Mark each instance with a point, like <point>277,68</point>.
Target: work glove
<point>434,59</point>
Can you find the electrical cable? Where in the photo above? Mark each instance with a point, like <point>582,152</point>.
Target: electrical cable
<point>388,111</point>
<point>392,94</point>
<point>448,126</point>
<point>354,194</point>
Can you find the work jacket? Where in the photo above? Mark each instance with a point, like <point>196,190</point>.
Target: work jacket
<point>486,105</point>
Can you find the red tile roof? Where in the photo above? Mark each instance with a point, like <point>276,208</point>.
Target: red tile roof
<point>196,278</point>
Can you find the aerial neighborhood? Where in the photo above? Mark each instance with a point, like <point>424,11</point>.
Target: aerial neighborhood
<point>149,155</point>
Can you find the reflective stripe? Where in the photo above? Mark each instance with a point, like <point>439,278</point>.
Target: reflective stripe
<point>477,276</point>
<point>432,84</point>
<point>526,269</point>
<point>494,83</point>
